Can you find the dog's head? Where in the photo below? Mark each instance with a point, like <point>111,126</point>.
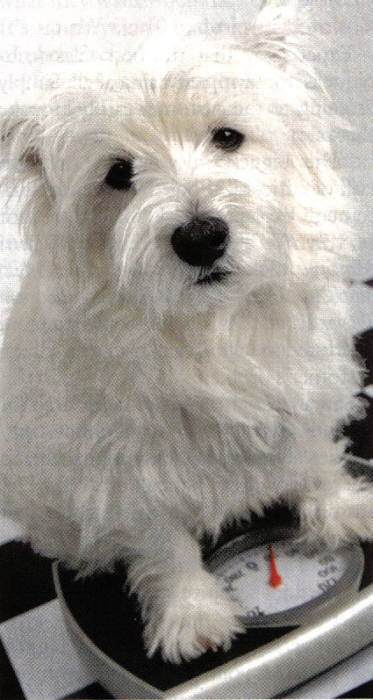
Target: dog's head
<point>185,186</point>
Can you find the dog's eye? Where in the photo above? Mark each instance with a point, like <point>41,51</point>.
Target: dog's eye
<point>227,139</point>
<point>120,175</point>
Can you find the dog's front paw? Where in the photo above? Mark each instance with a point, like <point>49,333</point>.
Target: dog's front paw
<point>194,616</point>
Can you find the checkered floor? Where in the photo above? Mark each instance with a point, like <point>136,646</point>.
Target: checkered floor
<point>37,660</point>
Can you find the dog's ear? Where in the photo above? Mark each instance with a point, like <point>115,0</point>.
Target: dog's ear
<point>19,139</point>
<point>276,30</point>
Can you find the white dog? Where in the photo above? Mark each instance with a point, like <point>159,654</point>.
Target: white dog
<point>180,352</point>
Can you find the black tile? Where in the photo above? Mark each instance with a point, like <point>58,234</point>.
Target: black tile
<point>94,691</point>
<point>363,691</point>
<point>360,432</point>
<point>364,346</point>
<point>10,689</point>
<point>26,579</point>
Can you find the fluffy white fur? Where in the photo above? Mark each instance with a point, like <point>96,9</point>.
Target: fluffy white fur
<point>141,410</point>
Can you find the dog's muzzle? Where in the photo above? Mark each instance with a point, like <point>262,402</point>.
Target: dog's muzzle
<point>201,241</point>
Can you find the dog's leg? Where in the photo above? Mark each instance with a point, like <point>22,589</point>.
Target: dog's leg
<point>338,512</point>
<point>333,506</point>
<point>184,610</point>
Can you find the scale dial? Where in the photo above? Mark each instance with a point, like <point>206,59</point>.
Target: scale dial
<point>279,583</point>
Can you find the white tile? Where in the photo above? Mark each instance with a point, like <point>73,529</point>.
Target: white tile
<point>42,654</point>
<point>9,530</point>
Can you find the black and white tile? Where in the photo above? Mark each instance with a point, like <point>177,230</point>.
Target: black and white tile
<point>37,659</point>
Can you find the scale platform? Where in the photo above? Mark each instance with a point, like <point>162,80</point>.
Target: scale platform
<point>271,657</point>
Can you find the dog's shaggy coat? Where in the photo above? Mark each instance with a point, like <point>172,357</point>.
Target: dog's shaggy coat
<point>141,407</point>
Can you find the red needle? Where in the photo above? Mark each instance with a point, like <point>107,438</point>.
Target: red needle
<point>275,579</point>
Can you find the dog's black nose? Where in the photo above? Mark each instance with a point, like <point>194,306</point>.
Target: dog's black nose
<point>201,241</point>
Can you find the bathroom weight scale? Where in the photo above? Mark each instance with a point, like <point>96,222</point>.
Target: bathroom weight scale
<point>305,611</point>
